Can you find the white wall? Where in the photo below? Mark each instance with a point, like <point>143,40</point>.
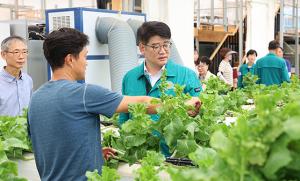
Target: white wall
<point>180,18</point>
<point>260,25</point>
<point>5,32</point>
<point>155,10</point>
<point>56,4</point>
<point>179,15</point>
<point>36,4</point>
<point>4,14</point>
<point>85,3</point>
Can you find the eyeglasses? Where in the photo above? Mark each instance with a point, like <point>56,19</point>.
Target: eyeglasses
<point>18,53</point>
<point>156,48</point>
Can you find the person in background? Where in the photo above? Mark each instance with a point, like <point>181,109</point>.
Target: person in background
<point>279,52</point>
<point>247,67</point>
<point>235,77</point>
<point>202,65</point>
<point>225,70</point>
<point>15,85</point>
<point>271,69</point>
<point>196,55</point>
<point>154,43</point>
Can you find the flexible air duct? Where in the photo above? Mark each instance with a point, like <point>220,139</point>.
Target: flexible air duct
<point>121,46</point>
<point>174,55</point>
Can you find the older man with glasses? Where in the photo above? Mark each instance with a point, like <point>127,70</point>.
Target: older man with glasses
<point>154,43</point>
<point>15,85</point>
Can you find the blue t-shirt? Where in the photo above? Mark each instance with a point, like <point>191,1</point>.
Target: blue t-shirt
<point>65,130</point>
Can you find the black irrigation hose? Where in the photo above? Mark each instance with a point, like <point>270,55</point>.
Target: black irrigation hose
<point>106,123</point>
<point>180,161</point>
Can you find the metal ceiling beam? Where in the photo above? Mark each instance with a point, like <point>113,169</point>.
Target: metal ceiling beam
<point>297,39</point>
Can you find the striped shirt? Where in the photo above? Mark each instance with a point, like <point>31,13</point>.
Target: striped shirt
<point>14,93</point>
<point>227,72</point>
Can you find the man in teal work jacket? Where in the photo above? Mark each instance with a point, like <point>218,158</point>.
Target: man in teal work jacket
<point>154,43</point>
<point>271,69</point>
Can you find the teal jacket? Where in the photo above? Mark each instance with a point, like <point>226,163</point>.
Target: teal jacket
<point>244,69</point>
<point>136,83</point>
<point>271,69</point>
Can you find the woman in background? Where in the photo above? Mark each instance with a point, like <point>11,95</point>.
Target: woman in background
<point>248,66</point>
<point>225,70</point>
<point>202,67</point>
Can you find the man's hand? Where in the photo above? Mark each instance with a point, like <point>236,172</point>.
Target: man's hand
<point>196,105</point>
<point>108,153</point>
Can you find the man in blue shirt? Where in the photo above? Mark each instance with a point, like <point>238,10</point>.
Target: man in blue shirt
<point>154,43</point>
<point>15,85</point>
<point>279,53</point>
<point>271,69</point>
<point>64,115</point>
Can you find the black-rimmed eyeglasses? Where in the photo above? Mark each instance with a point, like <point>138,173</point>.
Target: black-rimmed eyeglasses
<point>157,48</point>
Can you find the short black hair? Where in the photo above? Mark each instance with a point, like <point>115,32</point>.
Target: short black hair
<point>251,52</point>
<point>203,59</point>
<point>60,43</point>
<point>153,28</point>
<point>5,44</point>
<point>273,45</point>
